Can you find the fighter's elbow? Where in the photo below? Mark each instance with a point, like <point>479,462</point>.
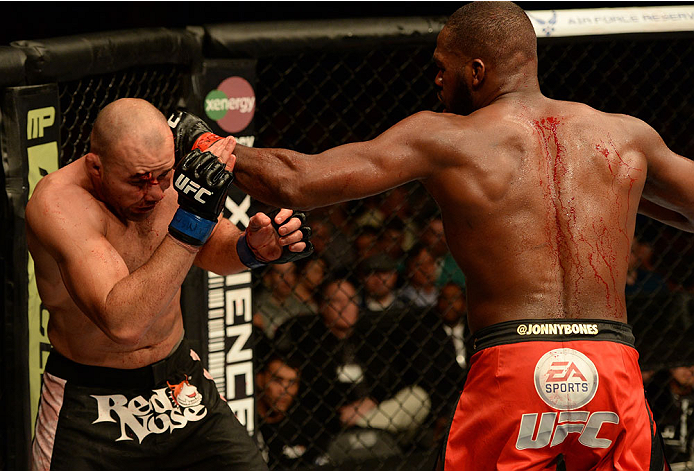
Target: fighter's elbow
<point>126,336</point>
<point>290,195</point>
<point>126,340</point>
<point>284,183</point>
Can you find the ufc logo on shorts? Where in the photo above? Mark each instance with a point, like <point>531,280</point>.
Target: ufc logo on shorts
<point>584,423</point>
<point>186,185</point>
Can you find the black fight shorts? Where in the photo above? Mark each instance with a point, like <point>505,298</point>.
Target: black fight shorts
<point>165,416</point>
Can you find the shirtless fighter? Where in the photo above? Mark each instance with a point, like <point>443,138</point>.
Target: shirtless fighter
<point>539,199</point>
<point>112,241</point>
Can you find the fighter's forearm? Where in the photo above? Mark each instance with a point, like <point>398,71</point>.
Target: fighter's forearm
<point>137,301</point>
<point>273,176</point>
<point>289,179</point>
<point>219,254</point>
<point>665,215</point>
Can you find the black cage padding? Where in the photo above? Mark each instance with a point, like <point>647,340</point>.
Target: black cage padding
<point>279,37</point>
<point>74,57</point>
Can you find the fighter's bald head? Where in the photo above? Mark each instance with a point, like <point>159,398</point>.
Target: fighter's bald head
<point>128,120</point>
<point>495,32</point>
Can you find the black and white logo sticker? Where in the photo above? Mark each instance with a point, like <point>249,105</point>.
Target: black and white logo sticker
<point>566,379</point>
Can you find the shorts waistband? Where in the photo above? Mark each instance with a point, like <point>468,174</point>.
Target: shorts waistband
<point>552,330</point>
<point>104,377</point>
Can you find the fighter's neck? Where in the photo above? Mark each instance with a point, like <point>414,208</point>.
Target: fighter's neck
<point>522,86</point>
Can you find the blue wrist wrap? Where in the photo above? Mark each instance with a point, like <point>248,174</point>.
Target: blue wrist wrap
<point>190,228</point>
<point>246,254</point>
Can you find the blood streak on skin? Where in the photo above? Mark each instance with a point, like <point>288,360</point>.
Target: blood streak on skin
<point>149,178</point>
<point>603,250</point>
<point>617,173</point>
<point>564,229</point>
<point>566,244</point>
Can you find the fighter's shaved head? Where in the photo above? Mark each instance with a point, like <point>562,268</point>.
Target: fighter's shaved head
<point>127,120</point>
<point>493,32</point>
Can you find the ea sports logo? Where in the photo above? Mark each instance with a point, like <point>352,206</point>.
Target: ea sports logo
<point>232,104</point>
<point>566,379</point>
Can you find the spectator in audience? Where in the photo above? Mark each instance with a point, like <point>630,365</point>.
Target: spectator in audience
<point>452,309</point>
<point>434,239</point>
<point>342,381</point>
<point>397,204</point>
<point>330,244</point>
<point>411,361</point>
<point>338,215</point>
<point>641,277</point>
<point>392,240</point>
<point>647,375</point>
<point>366,242</point>
<point>451,313</point>
<point>394,353</point>
<point>369,212</point>
<point>671,395</point>
<point>331,374</point>
<point>378,275</point>
<point>312,271</point>
<point>283,438</point>
<point>419,287</point>
<point>276,302</point>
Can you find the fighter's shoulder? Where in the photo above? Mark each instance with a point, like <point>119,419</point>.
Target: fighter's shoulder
<point>605,119</point>
<point>57,198</point>
<point>436,118</point>
<point>58,189</point>
<point>633,133</point>
<point>421,118</point>
<point>436,127</point>
<point>636,127</point>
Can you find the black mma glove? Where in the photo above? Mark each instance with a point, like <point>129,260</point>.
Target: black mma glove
<point>249,259</point>
<point>190,133</point>
<point>202,183</point>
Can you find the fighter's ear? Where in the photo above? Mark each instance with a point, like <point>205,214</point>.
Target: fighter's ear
<point>477,72</point>
<point>94,166</point>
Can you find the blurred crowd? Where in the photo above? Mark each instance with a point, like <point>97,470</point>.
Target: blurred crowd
<point>361,349</point>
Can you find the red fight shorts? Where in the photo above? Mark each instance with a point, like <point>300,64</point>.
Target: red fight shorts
<point>540,392</point>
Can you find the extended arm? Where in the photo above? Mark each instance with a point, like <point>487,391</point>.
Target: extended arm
<point>290,179</point>
<point>668,195</point>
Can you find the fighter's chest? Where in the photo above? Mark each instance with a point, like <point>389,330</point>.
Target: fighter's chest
<point>137,246</point>
<point>138,241</point>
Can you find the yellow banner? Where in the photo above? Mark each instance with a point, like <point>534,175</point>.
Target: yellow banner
<point>43,159</point>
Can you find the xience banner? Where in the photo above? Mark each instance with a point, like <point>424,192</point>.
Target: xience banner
<point>228,105</point>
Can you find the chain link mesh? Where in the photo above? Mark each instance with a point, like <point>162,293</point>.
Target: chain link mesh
<point>81,100</point>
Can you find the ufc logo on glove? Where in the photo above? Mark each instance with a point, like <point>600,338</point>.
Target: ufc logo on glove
<point>186,185</point>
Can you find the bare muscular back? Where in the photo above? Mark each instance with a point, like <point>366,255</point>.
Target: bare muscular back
<point>541,210</point>
<point>66,194</point>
